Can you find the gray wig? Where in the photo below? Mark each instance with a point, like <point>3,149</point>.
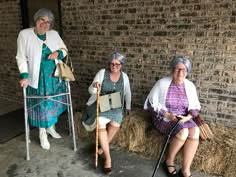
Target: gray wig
<point>45,12</point>
<point>118,57</point>
<point>180,59</point>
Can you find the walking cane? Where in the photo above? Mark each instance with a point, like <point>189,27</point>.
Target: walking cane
<point>97,122</point>
<point>165,145</point>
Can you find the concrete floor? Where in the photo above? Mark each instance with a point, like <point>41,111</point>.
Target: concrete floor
<point>62,161</point>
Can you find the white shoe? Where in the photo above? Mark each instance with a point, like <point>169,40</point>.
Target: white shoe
<point>51,130</point>
<point>43,139</point>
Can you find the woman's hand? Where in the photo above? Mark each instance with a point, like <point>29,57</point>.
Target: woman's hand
<point>24,82</point>
<point>53,55</point>
<point>173,117</point>
<point>97,85</point>
<point>170,116</point>
<point>185,118</point>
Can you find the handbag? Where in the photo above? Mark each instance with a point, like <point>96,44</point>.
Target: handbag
<point>64,71</point>
<point>106,103</point>
<point>110,101</point>
<point>205,131</point>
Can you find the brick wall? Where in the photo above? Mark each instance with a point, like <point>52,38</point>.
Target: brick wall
<point>148,33</point>
<point>10,22</point>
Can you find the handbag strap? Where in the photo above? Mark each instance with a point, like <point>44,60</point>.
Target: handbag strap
<point>68,59</point>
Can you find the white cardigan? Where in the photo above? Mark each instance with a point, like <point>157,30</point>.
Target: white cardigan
<point>29,51</point>
<point>157,95</point>
<point>99,78</point>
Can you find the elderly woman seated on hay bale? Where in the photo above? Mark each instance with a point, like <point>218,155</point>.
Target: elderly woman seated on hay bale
<point>170,97</point>
<point>114,84</point>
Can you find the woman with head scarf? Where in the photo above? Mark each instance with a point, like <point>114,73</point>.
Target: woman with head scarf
<point>108,81</point>
<point>37,48</point>
<point>170,97</point>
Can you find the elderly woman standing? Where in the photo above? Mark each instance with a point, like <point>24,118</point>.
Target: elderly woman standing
<point>176,96</point>
<point>37,48</point>
<point>110,80</point>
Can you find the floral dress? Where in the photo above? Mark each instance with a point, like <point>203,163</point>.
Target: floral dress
<point>176,103</point>
<point>44,113</point>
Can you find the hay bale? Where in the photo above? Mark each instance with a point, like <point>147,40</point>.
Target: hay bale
<point>215,156</point>
<point>132,133</point>
<point>218,155</point>
<point>79,128</point>
<point>153,143</point>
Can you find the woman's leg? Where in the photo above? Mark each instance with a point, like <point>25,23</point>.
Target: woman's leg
<point>176,144</point>
<point>112,129</point>
<point>189,150</point>
<point>103,138</point>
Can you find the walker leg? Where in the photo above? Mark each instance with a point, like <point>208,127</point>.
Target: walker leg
<point>68,105</point>
<point>26,125</point>
<point>71,117</point>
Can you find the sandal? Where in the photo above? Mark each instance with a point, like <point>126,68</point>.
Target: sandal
<point>170,174</point>
<point>181,174</point>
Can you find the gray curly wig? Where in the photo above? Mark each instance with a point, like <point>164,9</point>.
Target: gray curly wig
<point>45,12</point>
<point>180,59</point>
<point>118,57</point>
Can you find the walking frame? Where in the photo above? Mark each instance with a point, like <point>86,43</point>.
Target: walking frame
<point>165,145</point>
<point>69,109</point>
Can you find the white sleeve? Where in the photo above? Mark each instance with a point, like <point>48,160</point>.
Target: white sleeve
<point>127,92</point>
<point>98,78</point>
<point>21,56</point>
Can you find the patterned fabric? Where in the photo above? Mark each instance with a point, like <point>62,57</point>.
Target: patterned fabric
<point>108,87</point>
<point>47,112</point>
<point>176,103</point>
<point>176,99</point>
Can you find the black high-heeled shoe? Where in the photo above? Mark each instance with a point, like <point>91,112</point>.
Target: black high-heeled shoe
<point>107,171</point>
<point>168,173</point>
<point>181,174</point>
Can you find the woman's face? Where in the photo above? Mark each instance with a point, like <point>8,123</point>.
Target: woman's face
<point>179,73</point>
<point>42,25</point>
<point>115,66</point>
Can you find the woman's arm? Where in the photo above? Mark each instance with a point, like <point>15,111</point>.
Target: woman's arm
<point>21,57</point>
<point>97,79</point>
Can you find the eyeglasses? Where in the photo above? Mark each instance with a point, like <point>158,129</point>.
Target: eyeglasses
<point>115,64</point>
<point>180,69</point>
<point>45,22</point>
